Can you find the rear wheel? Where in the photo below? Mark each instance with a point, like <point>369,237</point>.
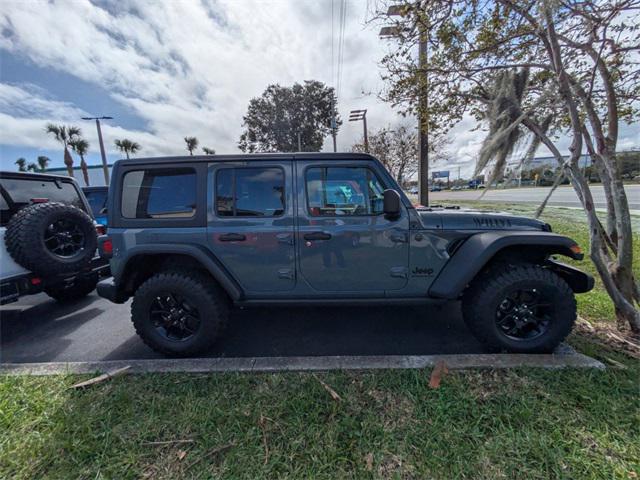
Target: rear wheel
<point>179,313</point>
<point>521,308</point>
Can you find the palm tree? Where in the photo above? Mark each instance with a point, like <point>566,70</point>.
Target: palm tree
<point>22,164</point>
<point>192,144</point>
<point>43,162</point>
<point>65,134</point>
<point>81,146</point>
<point>32,167</point>
<point>127,146</point>
<point>208,151</point>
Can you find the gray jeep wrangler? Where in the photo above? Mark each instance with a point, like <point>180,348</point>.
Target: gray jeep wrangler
<point>189,236</point>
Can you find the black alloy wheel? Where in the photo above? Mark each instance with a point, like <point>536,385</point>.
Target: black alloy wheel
<point>524,314</point>
<point>173,317</point>
<point>64,238</point>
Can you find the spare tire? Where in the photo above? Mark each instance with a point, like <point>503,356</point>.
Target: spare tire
<point>51,238</point>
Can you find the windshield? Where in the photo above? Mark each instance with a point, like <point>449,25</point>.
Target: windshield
<point>97,201</point>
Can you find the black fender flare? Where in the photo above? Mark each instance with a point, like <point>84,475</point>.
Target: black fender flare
<point>198,253</point>
<point>478,250</point>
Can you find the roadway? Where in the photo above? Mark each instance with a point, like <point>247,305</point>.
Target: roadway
<point>564,196</point>
<point>37,329</point>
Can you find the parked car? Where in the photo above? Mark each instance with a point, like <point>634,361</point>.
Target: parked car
<point>436,188</point>
<point>414,190</point>
<point>48,238</point>
<point>97,198</point>
<point>189,236</point>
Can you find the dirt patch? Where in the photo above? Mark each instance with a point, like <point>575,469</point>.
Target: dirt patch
<point>608,335</point>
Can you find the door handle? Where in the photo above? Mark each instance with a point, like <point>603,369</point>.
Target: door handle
<point>399,237</point>
<point>317,236</point>
<point>285,238</point>
<point>232,237</point>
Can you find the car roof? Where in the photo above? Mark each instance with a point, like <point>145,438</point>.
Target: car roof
<point>35,176</point>
<point>254,157</point>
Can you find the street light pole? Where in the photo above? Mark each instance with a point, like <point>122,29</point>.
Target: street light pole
<point>356,116</point>
<point>423,130</point>
<point>105,167</point>
<point>423,104</point>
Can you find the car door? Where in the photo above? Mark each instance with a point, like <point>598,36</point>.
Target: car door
<point>345,242</point>
<point>250,229</point>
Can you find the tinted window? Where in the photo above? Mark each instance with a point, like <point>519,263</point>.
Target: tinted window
<point>250,192</point>
<point>159,193</point>
<point>21,192</point>
<point>97,201</point>
<point>337,191</point>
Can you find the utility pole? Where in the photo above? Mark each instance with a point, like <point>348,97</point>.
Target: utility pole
<point>334,126</point>
<point>299,143</point>
<point>423,103</point>
<point>105,167</point>
<point>356,116</point>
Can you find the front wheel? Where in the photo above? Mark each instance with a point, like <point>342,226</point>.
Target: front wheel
<point>179,313</point>
<point>519,308</point>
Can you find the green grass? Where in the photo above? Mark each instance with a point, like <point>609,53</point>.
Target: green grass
<point>520,424</point>
<point>534,424</point>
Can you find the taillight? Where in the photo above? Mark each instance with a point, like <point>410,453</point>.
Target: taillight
<point>101,229</point>
<point>106,247</point>
<point>39,200</point>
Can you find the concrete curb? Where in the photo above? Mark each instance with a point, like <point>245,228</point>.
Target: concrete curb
<point>302,364</point>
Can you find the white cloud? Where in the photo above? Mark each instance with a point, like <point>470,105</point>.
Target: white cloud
<point>189,67</point>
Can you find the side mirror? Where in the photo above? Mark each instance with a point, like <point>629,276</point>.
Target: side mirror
<point>391,203</point>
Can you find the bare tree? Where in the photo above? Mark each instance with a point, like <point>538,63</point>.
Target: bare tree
<point>579,60</point>
<point>397,149</point>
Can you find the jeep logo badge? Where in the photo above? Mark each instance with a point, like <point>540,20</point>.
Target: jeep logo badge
<point>421,272</point>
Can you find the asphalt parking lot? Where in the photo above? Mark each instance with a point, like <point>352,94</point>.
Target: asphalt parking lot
<point>37,329</point>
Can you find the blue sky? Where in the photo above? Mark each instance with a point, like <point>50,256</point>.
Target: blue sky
<point>165,70</point>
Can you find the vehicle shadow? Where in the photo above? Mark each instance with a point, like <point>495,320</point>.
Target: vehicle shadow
<point>329,331</point>
<point>41,332</point>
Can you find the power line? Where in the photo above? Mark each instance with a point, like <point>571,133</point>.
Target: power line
<point>343,16</point>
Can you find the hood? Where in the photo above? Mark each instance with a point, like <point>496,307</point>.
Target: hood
<point>454,218</point>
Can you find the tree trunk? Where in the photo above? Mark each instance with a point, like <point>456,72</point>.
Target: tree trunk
<point>85,170</point>
<point>617,276</point>
<point>68,161</point>
<point>558,180</point>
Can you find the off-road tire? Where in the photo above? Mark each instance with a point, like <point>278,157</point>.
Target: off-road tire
<point>202,291</point>
<point>484,295</point>
<point>81,287</point>
<point>25,238</point>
